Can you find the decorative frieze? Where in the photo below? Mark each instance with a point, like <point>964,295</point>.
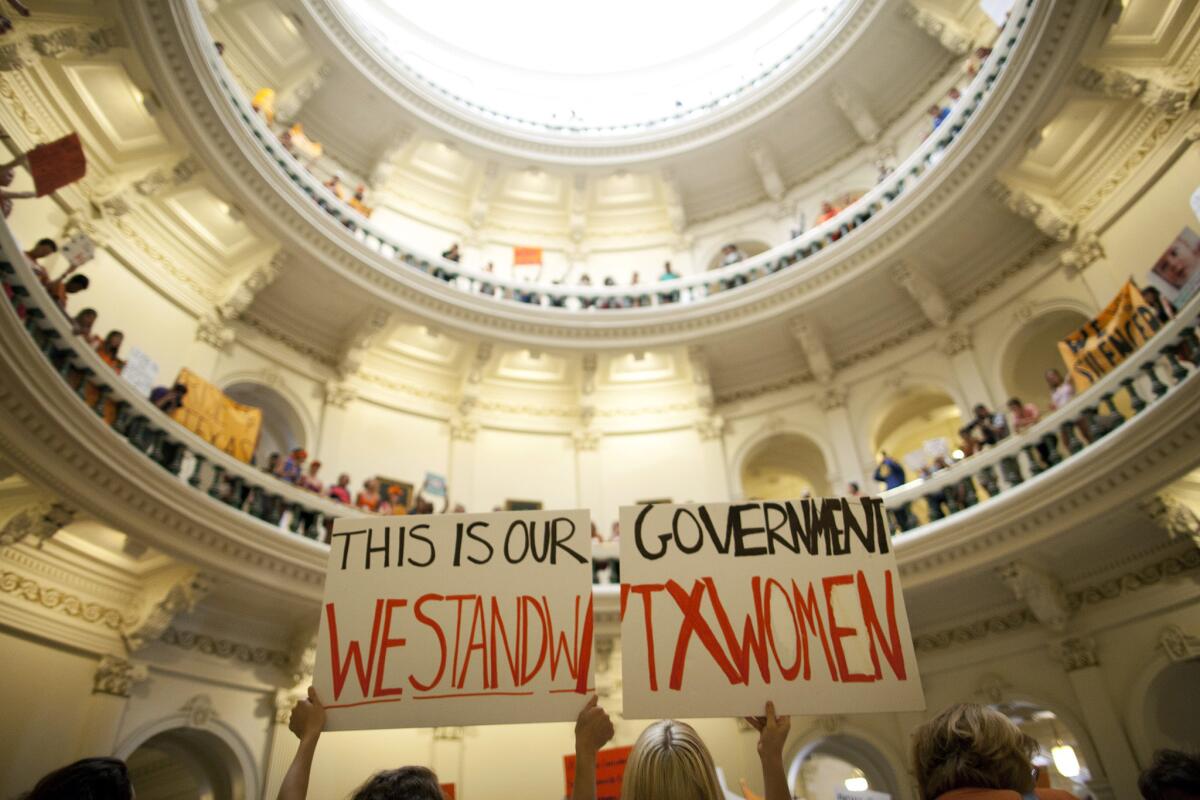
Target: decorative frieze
<point>224,648</point>
<point>1177,645</point>
<point>54,599</point>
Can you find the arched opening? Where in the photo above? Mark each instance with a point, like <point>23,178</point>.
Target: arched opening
<point>785,466</point>
<point>1060,758</point>
<point>282,428</point>
<point>917,427</point>
<point>186,762</point>
<point>840,763</point>
<point>1173,707</point>
<point>1032,351</point>
<point>745,247</point>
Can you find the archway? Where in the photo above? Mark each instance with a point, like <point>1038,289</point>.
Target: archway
<point>1034,349</point>
<point>919,424</point>
<point>186,762</point>
<point>785,466</point>
<point>840,762</point>
<point>282,427</point>
<point>1060,759</point>
<point>1172,707</point>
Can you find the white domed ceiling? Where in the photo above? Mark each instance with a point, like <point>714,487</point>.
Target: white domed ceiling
<point>619,68</point>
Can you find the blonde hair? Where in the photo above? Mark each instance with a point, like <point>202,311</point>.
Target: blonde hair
<point>669,761</point>
<point>968,746</point>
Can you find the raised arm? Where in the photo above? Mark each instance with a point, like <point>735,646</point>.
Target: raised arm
<point>772,734</point>
<point>307,720</point>
<point>592,730</point>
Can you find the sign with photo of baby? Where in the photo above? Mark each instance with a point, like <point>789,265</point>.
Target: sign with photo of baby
<point>726,606</point>
<point>459,619</point>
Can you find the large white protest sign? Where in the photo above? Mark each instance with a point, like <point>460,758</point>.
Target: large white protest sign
<point>724,607</point>
<point>461,619</point>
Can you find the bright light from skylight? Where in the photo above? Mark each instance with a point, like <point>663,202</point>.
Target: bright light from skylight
<point>610,68</point>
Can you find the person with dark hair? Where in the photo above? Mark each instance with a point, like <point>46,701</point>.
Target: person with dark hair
<point>167,400</point>
<point>307,722</point>
<point>82,325</point>
<point>109,349</point>
<point>86,779</point>
<point>1174,775</point>
<point>59,289</point>
<point>975,752</point>
<point>43,248</point>
<point>1164,309</point>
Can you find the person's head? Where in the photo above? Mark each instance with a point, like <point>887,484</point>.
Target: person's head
<point>86,319</point>
<point>826,207</point>
<point>43,248</point>
<point>180,390</point>
<point>981,411</point>
<point>372,484</point>
<point>1054,378</point>
<point>1173,776</point>
<point>1176,265</point>
<point>854,488</point>
<point>87,779</point>
<point>314,467</point>
<point>76,283</point>
<point>1014,403</point>
<point>406,783</point>
<point>669,761</point>
<point>343,480</point>
<point>272,461</point>
<point>299,455</point>
<point>113,341</point>
<point>954,93</point>
<point>1151,295</point>
<point>666,266</point>
<point>969,746</point>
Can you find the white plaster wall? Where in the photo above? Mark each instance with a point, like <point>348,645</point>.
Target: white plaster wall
<point>523,466</point>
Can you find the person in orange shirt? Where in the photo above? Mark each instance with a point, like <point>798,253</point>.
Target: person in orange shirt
<point>368,499</point>
<point>972,752</point>
<point>109,348</point>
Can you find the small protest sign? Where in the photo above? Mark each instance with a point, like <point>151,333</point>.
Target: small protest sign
<point>462,619</point>
<point>610,771</point>
<point>727,606</point>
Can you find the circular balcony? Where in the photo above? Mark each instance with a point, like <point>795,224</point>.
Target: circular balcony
<point>900,218</point>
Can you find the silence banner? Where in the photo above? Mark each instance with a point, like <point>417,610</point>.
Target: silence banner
<point>1123,326</point>
<point>459,619</point>
<point>725,607</point>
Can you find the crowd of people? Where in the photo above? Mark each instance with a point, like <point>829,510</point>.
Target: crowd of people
<point>965,752</point>
<point>309,154</point>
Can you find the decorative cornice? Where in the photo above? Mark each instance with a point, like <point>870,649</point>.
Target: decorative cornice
<point>1017,619</point>
<point>224,648</point>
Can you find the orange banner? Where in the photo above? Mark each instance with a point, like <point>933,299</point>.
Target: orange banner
<point>1099,346</point>
<point>527,255</point>
<point>212,416</point>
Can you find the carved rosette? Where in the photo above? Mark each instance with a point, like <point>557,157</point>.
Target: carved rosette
<point>1178,645</point>
<point>199,711</point>
<point>117,676</point>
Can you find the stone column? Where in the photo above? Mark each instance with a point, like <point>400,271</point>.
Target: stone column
<point>339,395</point>
<point>1079,658</point>
<point>111,687</point>
<point>460,474</point>
<point>281,744</point>
<point>845,448</point>
<point>956,345</point>
<point>712,446</point>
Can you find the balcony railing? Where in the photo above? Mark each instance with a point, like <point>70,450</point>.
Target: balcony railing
<point>684,290</point>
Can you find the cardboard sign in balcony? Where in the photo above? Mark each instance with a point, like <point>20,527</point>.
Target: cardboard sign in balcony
<point>729,606</point>
<point>456,619</point>
<point>1123,326</point>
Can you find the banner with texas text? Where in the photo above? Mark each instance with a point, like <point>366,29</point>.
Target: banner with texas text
<point>1122,326</point>
<point>456,619</point>
<point>725,607</point>
<point>214,417</point>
